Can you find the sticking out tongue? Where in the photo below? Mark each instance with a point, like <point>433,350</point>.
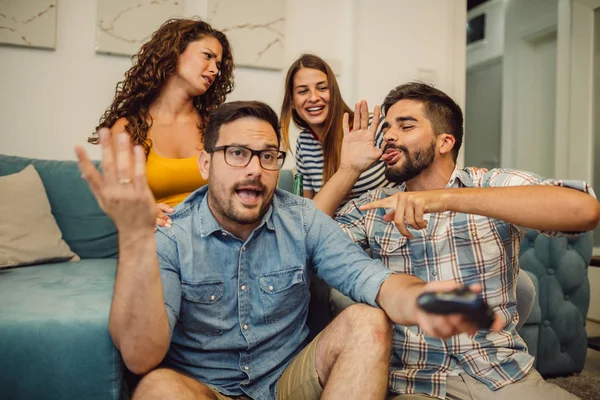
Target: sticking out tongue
<point>390,156</point>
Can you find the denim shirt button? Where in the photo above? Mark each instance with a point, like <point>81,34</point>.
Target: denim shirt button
<point>434,273</point>
<point>243,287</point>
<point>244,248</point>
<point>270,288</point>
<point>246,368</point>
<point>245,327</point>
<point>212,298</point>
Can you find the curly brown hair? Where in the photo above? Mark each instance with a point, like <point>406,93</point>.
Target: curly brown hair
<point>152,67</point>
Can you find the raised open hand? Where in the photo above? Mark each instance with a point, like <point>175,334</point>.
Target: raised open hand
<point>121,190</point>
<point>358,147</point>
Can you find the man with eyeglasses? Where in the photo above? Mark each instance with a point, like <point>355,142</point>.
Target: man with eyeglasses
<point>215,307</point>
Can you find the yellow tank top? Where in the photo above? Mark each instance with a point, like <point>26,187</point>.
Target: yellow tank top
<point>172,179</point>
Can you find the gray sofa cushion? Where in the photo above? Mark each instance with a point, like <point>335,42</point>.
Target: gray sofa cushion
<point>84,226</point>
<point>28,231</point>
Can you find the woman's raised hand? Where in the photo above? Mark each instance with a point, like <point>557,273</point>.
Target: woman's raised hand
<point>359,151</point>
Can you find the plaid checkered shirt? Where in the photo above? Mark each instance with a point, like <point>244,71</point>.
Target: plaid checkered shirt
<point>465,248</point>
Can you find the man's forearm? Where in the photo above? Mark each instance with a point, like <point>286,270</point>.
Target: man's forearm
<point>545,208</point>
<point>138,320</point>
<point>335,190</point>
<point>398,298</point>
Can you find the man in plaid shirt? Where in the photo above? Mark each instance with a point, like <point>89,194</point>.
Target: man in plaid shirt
<point>441,223</point>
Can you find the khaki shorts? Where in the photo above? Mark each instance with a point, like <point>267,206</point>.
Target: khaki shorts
<point>299,381</point>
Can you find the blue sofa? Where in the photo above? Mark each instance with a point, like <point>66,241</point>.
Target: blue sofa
<point>54,341</point>
<point>555,330</point>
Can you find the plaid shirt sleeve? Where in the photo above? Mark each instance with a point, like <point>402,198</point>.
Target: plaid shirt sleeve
<point>509,177</point>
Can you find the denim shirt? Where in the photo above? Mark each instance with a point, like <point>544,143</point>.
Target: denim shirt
<point>237,309</point>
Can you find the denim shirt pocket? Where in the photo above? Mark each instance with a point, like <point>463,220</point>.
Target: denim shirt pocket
<point>281,292</point>
<point>202,307</point>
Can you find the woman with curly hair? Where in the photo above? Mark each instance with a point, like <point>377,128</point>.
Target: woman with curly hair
<point>178,78</point>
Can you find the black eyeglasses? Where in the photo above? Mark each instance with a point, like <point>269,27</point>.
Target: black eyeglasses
<point>240,156</point>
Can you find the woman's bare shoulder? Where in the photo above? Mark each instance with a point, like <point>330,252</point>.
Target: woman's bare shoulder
<point>119,126</point>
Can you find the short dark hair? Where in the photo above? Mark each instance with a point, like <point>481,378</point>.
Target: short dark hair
<point>230,112</point>
<point>445,115</point>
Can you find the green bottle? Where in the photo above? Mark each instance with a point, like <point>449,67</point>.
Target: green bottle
<point>298,188</point>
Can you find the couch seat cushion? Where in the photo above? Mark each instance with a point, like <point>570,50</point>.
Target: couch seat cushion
<point>54,332</point>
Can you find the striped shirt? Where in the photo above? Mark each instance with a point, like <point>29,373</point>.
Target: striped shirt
<point>309,163</point>
<point>454,246</point>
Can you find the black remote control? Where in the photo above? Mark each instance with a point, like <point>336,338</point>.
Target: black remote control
<point>458,301</point>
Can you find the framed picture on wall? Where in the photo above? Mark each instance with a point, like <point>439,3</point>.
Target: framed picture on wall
<point>122,26</point>
<point>29,23</point>
<point>255,29</point>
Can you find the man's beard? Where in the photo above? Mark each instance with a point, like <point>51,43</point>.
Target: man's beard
<point>227,208</point>
<point>413,163</point>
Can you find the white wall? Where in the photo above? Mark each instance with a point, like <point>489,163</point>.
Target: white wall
<point>400,40</point>
<point>52,100</point>
<point>525,144</point>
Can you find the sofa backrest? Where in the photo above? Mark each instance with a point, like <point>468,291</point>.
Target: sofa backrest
<point>84,226</point>
<point>286,180</point>
<point>559,266</point>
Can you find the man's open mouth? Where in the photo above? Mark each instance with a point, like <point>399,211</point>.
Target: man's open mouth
<point>249,194</point>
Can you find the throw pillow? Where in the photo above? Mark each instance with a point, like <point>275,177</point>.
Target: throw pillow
<point>28,231</point>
